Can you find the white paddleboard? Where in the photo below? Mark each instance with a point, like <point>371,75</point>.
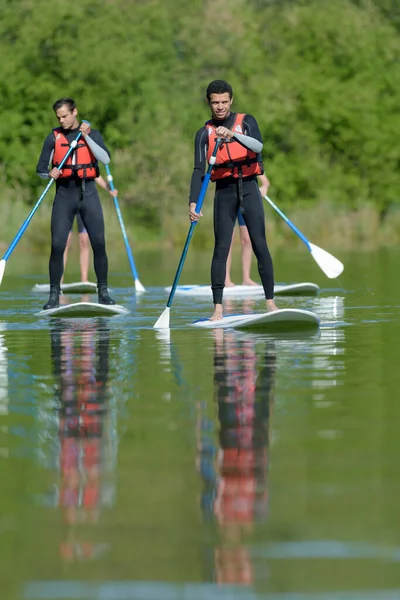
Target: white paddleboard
<point>80,287</point>
<point>84,309</point>
<point>247,291</point>
<point>286,319</point>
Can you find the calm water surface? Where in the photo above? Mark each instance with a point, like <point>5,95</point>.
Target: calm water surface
<point>197,464</point>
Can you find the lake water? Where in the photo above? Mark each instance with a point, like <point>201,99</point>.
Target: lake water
<point>195,465</point>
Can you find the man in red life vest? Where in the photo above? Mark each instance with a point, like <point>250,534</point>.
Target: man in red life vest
<point>76,193</point>
<point>238,163</point>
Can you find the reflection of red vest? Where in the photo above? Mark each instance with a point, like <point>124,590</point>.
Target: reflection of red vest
<point>238,499</point>
<point>81,162</point>
<point>232,156</point>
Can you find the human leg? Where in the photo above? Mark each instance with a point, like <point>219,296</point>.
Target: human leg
<point>255,222</point>
<point>93,220</point>
<point>228,280</point>
<point>247,251</point>
<point>83,249</point>
<point>225,211</point>
<point>66,251</point>
<point>62,217</point>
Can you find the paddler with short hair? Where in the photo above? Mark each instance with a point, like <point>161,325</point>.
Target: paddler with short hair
<point>76,193</point>
<point>238,164</point>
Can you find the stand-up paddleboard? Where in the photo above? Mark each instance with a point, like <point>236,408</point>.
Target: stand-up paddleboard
<point>84,309</point>
<point>248,291</point>
<point>286,319</point>
<point>80,287</point>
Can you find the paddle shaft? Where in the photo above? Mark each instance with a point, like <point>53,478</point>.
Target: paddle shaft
<point>34,209</point>
<point>193,224</point>
<point>293,227</point>
<point>121,222</point>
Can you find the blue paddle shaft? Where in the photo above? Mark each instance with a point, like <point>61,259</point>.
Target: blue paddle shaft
<point>199,204</point>
<point>121,222</point>
<point>34,209</point>
<point>293,227</point>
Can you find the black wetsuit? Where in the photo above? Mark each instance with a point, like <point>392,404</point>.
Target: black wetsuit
<point>226,206</point>
<point>74,196</point>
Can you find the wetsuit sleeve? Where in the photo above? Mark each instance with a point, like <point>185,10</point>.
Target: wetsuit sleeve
<point>96,144</point>
<point>200,161</point>
<point>252,136</point>
<point>42,168</point>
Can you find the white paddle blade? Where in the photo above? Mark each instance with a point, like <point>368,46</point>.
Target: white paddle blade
<point>331,266</point>
<point>139,287</point>
<point>163,320</point>
<point>2,269</point>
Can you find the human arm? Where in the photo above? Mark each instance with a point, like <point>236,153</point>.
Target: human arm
<point>200,160</point>
<point>101,182</point>
<point>251,138</point>
<point>42,168</point>
<point>264,184</point>
<point>95,141</point>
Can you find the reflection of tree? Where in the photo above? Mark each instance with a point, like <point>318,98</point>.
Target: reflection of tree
<point>235,491</point>
<point>80,359</point>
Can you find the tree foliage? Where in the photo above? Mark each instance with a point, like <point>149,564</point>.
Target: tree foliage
<point>322,79</point>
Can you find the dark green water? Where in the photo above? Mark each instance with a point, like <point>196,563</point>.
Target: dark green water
<point>198,464</point>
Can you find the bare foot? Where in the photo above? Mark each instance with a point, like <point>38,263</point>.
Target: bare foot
<point>271,306</point>
<point>229,283</point>
<point>250,282</point>
<point>218,313</point>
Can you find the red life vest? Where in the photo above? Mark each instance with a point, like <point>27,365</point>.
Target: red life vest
<point>80,163</point>
<point>233,159</point>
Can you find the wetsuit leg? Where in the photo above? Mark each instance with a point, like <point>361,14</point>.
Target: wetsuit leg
<point>226,204</point>
<point>92,216</point>
<point>255,222</point>
<point>80,225</point>
<point>62,217</point>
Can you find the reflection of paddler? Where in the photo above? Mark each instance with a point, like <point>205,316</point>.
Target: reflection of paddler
<point>243,398</point>
<point>235,475</point>
<point>80,362</point>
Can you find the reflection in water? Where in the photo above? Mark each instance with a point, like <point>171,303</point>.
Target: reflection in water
<point>86,432</point>
<point>234,468</point>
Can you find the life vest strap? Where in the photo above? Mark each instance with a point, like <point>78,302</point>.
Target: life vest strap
<point>237,163</point>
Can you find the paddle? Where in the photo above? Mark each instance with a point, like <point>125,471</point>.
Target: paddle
<point>331,266</point>
<point>138,286</point>
<point>163,320</point>
<point>25,224</point>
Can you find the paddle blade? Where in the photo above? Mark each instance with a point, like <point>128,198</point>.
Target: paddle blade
<point>331,266</point>
<point>139,287</point>
<point>163,320</point>
<point>2,268</point>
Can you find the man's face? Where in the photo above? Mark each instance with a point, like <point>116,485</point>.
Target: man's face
<point>220,105</point>
<point>66,117</point>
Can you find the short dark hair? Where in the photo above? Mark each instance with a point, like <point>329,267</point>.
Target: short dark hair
<point>70,103</point>
<point>219,86</point>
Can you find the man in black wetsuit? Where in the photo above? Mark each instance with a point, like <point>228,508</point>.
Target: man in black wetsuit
<point>76,193</point>
<point>238,163</point>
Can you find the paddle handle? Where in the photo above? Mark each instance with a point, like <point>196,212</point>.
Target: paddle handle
<point>293,227</point>
<point>199,204</point>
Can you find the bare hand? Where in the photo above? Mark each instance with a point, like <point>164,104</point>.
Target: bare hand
<point>84,129</point>
<point>113,193</point>
<point>264,184</point>
<point>224,132</point>
<point>193,215</point>
<point>54,173</point>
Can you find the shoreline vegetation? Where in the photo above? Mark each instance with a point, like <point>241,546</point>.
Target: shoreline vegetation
<point>334,228</point>
<point>322,79</point>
